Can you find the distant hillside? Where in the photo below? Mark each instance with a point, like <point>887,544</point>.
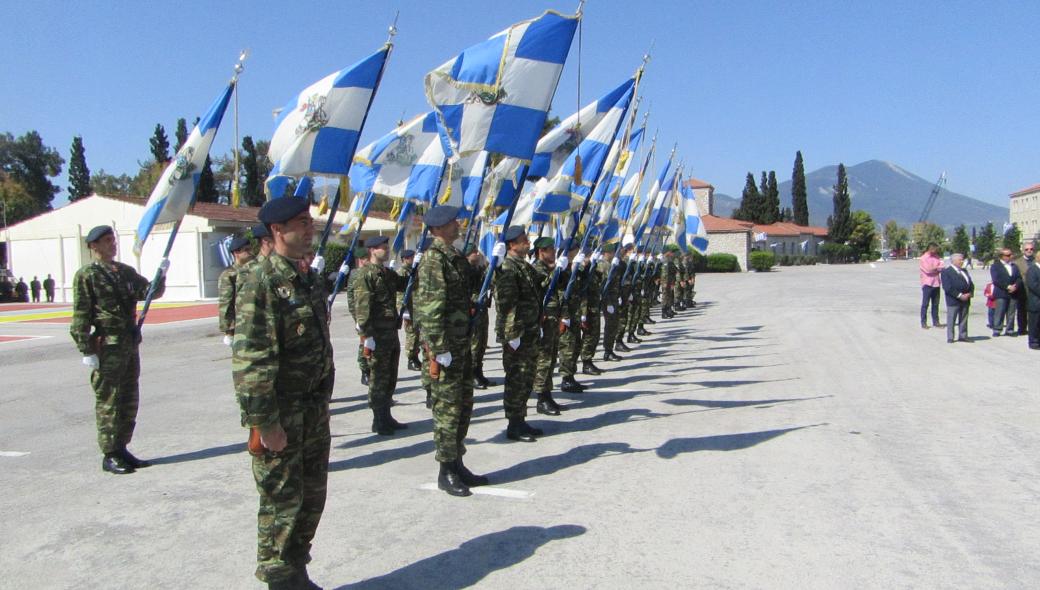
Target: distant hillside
<point>887,191</point>
<point>725,205</point>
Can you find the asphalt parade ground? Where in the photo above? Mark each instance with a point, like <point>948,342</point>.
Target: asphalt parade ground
<point>796,430</point>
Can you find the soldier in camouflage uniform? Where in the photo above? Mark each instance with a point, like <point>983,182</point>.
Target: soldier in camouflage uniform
<point>590,321</point>
<point>478,344</point>
<point>570,319</point>
<point>360,259</point>
<point>549,326</point>
<point>634,299</point>
<point>375,289</point>
<point>516,326</point>
<point>411,336</point>
<point>442,309</point>
<point>283,372</point>
<point>611,268</point>
<point>691,279</point>
<point>242,254</point>
<point>667,276</point>
<point>679,302</point>
<point>104,327</point>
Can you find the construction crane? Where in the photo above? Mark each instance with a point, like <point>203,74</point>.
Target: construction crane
<point>930,203</point>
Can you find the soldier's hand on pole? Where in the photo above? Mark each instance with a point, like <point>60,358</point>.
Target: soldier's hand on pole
<point>273,438</point>
<point>91,360</point>
<point>514,343</point>
<point>444,359</point>
<point>318,264</point>
<point>228,339</point>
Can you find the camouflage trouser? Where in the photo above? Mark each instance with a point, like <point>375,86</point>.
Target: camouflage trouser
<point>292,487</point>
<point>634,310</point>
<point>590,337</point>
<point>678,292</point>
<point>611,322</point>
<point>688,291</point>
<point>667,297</point>
<point>478,344</point>
<point>383,362</point>
<point>116,394</point>
<point>570,343</point>
<point>453,404</point>
<point>411,341</point>
<point>647,302</point>
<point>545,361</point>
<point>519,366</point>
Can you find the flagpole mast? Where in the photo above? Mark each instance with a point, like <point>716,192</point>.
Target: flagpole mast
<point>236,191</point>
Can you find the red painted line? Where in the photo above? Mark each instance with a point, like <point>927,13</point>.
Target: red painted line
<point>31,306</point>
<point>158,315</point>
<point>16,338</point>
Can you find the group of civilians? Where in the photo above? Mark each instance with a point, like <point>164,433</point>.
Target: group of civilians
<point>1012,296</point>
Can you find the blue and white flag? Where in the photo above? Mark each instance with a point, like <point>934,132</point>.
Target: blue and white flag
<point>609,224</point>
<point>466,177</point>
<point>694,232</point>
<point>174,194</point>
<point>495,95</point>
<point>654,198</point>
<point>406,163</point>
<point>318,130</point>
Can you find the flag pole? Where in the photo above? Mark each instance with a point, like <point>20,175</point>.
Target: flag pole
<point>235,190</point>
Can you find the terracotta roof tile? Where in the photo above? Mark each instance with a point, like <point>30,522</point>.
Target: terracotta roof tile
<point>696,183</point>
<point>724,224</point>
<point>1027,190</point>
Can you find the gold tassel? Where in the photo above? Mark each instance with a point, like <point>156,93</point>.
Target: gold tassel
<point>577,169</point>
<point>323,205</point>
<point>446,196</point>
<point>395,209</point>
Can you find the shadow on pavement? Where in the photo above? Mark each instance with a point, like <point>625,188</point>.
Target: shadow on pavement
<point>471,561</point>
<point>721,404</point>
<point>721,442</point>
<point>232,449</point>
<point>729,383</point>
<point>383,456</point>
<point>550,464</point>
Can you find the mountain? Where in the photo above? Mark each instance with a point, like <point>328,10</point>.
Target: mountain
<point>887,191</point>
<point>725,205</point>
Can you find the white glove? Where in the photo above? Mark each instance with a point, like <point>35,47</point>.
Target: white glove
<point>164,265</point>
<point>357,328</point>
<point>541,334</point>
<point>370,343</point>
<point>584,319</point>
<point>444,359</point>
<point>579,259</point>
<point>566,322</point>
<point>318,264</point>
<point>228,338</point>
<point>514,343</point>
<point>499,250</point>
<point>418,257</point>
<point>619,301</point>
<point>615,261</point>
<point>595,257</point>
<point>91,361</point>
<point>393,264</point>
<point>344,268</point>
<point>610,309</point>
<point>660,257</point>
<point>406,316</point>
<point>562,262</point>
<point>641,258</point>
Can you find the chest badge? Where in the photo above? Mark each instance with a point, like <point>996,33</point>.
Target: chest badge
<point>283,291</point>
<point>300,329</point>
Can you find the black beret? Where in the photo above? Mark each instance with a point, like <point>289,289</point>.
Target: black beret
<point>376,241</point>
<point>441,215</point>
<point>238,243</point>
<point>544,242</point>
<point>282,209</point>
<point>407,253</point>
<point>260,231</point>
<point>99,232</point>
<point>514,232</point>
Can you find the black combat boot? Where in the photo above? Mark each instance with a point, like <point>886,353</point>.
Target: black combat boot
<point>286,584</point>
<point>478,384</point>
<point>649,320</point>
<point>643,331</point>
<point>364,376</point>
<point>115,463</point>
<point>547,405</point>
<point>468,477</point>
<point>632,338</point>
<point>571,385</point>
<point>478,375</point>
<point>610,356</point>
<point>620,345</point>
<point>516,431</point>
<point>414,364</point>
<point>379,424</point>
<point>389,420</point>
<point>132,460</point>
<point>532,430</point>
<point>450,480</point>
<point>304,582</point>
<point>589,368</point>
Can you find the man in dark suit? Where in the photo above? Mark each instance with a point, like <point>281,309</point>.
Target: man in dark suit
<point>1023,263</point>
<point>1033,303</point>
<point>957,284</point>
<point>1007,286</point>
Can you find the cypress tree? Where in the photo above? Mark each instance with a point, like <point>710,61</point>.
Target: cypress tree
<point>253,190</point>
<point>79,174</point>
<point>840,223</point>
<point>773,212</point>
<point>799,197</point>
<point>748,210</point>
<point>181,133</point>
<point>207,189</point>
<point>160,145</point>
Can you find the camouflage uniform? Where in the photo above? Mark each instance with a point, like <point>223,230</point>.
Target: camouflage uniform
<point>105,301</point>
<point>680,283</point>
<point>612,310</point>
<point>666,272</point>
<point>516,317</point>
<point>478,344</point>
<point>374,288</point>
<point>691,278</point>
<point>411,336</point>
<point>441,307</point>
<point>352,308</point>
<point>549,342</point>
<point>593,305</point>
<point>570,340</point>
<point>226,299</point>
<point>283,373</point>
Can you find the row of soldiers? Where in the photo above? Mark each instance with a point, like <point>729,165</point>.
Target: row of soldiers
<point>274,314</point>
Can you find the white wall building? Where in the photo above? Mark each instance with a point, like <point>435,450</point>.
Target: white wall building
<point>1025,211</point>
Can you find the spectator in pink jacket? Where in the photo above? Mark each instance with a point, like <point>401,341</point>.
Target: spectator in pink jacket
<point>931,266</point>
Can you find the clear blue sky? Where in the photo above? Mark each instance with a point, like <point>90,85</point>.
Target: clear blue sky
<point>740,86</point>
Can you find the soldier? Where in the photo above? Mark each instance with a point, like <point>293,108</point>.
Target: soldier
<point>442,309</point>
<point>360,259</point>
<point>375,289</point>
<point>611,269</point>
<point>411,337</point>
<point>226,284</point>
<point>284,373</point>
<point>105,295</point>
<point>680,282</point>
<point>573,310</point>
<point>590,321</point>
<point>478,344</point>
<point>549,326</point>
<point>516,326</point>
<point>34,285</point>
<point>666,272</point>
<point>691,279</point>
<point>48,288</point>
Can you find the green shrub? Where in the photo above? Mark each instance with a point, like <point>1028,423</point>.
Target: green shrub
<point>762,261</point>
<point>721,262</point>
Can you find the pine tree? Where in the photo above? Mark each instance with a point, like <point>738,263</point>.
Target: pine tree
<point>763,200</point>
<point>181,133</point>
<point>160,144</point>
<point>1013,239</point>
<point>207,189</point>
<point>773,212</point>
<point>799,198</point>
<point>986,243</point>
<point>839,227</point>
<point>252,189</point>
<point>961,243</point>
<point>79,174</point>
<point>748,210</point>
<point>788,215</point>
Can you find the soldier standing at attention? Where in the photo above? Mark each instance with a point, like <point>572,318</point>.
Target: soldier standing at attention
<point>611,295</point>
<point>517,302</point>
<point>48,288</point>
<point>360,259</point>
<point>34,286</point>
<point>283,372</point>
<point>570,320</point>
<point>442,308</point>
<point>478,344</point>
<point>411,337</point>
<point>375,305</point>
<point>226,285</point>
<point>105,295</point>
<point>667,284</point>
<point>680,282</point>
<point>590,321</point>
<point>549,326</point>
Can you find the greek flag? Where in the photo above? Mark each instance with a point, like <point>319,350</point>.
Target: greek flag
<point>654,199</point>
<point>406,163</point>
<point>564,194</point>
<point>495,96</point>
<point>466,178</point>
<point>696,236</point>
<point>628,200</point>
<point>224,251</point>
<point>317,131</point>
<point>174,194</point>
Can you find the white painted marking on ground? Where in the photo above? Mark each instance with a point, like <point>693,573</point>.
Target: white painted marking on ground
<point>13,453</point>
<point>486,491</point>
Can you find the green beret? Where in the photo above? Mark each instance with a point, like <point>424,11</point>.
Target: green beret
<point>609,248</point>
<point>544,242</point>
<point>361,252</point>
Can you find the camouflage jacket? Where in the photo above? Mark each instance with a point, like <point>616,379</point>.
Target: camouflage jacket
<point>666,272</point>
<point>543,273</point>
<point>516,299</point>
<point>375,289</point>
<point>226,299</point>
<point>575,305</point>
<point>351,302</point>
<point>593,289</point>
<point>281,350</point>
<point>105,301</point>
<point>680,272</point>
<point>441,304</point>
<point>612,289</point>
<point>404,271</point>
